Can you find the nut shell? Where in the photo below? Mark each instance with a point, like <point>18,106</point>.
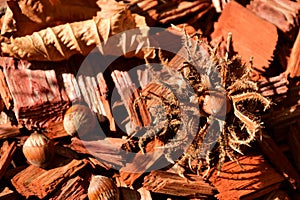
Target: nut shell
<point>103,188</point>
<point>38,150</point>
<point>79,119</point>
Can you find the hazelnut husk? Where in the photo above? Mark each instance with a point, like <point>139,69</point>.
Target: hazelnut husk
<point>103,188</point>
<point>79,119</point>
<point>38,150</point>
<point>215,103</point>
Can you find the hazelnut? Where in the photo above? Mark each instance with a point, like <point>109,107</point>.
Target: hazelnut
<point>215,103</point>
<point>79,119</point>
<point>38,150</point>
<point>103,188</point>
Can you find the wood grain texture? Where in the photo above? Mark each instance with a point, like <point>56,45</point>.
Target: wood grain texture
<point>141,163</point>
<point>8,131</point>
<point>106,151</point>
<point>7,152</point>
<point>251,35</point>
<point>293,66</point>
<point>280,162</point>
<point>37,95</point>
<point>170,183</point>
<point>75,188</point>
<point>34,181</point>
<point>255,176</point>
<point>4,91</point>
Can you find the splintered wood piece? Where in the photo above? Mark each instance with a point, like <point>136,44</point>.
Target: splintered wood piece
<point>56,130</point>
<point>7,152</point>
<point>219,5</point>
<point>8,131</point>
<point>88,92</point>
<point>4,91</point>
<point>34,181</point>
<point>10,173</point>
<point>2,106</point>
<point>105,151</point>
<point>274,87</point>
<point>39,91</point>
<point>284,117</point>
<point>254,178</point>
<point>8,194</point>
<point>65,152</point>
<point>293,67</point>
<point>158,90</point>
<point>102,93</point>
<point>142,162</point>
<point>170,11</point>
<point>282,13</point>
<point>94,91</point>
<point>279,160</point>
<point>7,62</point>
<point>95,163</point>
<point>10,62</point>
<point>36,95</point>
<point>137,111</point>
<point>128,194</point>
<point>251,35</point>
<point>185,8</point>
<point>294,143</point>
<point>74,188</point>
<point>173,184</point>
<point>277,195</point>
<point>145,194</point>
<point>126,90</point>
<point>71,87</point>
<point>177,61</point>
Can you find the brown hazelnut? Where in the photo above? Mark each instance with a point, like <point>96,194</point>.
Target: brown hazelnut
<point>79,119</point>
<point>103,188</point>
<point>38,150</point>
<point>215,103</point>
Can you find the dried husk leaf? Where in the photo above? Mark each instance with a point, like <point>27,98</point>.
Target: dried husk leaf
<point>24,17</point>
<point>63,41</point>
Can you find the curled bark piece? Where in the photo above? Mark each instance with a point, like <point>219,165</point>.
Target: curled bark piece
<point>63,41</point>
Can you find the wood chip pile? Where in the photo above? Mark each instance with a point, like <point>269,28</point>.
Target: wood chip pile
<point>71,131</point>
